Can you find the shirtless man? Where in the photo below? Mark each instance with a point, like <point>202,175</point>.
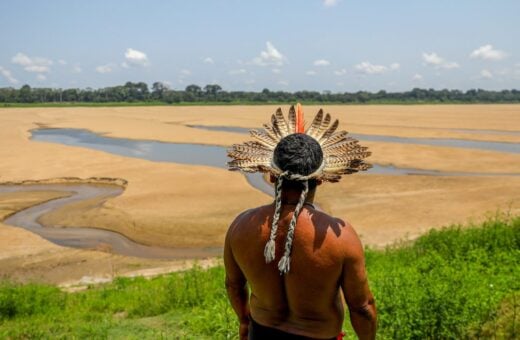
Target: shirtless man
<point>303,300</point>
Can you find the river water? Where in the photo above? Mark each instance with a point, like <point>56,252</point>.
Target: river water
<point>449,142</point>
<point>194,154</point>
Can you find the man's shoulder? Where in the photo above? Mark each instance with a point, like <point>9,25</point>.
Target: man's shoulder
<point>249,215</point>
<point>261,210</point>
<point>343,232</point>
<point>242,223</point>
<point>327,219</point>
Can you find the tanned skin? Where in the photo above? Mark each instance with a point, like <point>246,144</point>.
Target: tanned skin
<point>327,260</point>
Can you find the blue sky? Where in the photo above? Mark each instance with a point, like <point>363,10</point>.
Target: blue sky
<point>335,45</point>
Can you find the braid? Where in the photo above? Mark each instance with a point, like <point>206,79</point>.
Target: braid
<point>270,247</point>
<point>284,264</point>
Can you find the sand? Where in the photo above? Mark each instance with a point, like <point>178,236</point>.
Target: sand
<point>178,205</point>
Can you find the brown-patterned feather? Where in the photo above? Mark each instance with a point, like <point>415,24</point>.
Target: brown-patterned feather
<point>247,150</point>
<point>244,163</point>
<point>329,131</point>
<point>323,127</point>
<point>263,138</point>
<point>348,157</point>
<point>276,127</point>
<point>281,123</point>
<point>257,145</point>
<point>335,138</point>
<point>316,123</point>
<point>257,148</point>
<point>342,147</point>
<point>330,177</point>
<point>269,130</point>
<point>248,155</point>
<point>292,120</point>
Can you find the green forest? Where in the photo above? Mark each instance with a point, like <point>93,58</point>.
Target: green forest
<point>159,93</point>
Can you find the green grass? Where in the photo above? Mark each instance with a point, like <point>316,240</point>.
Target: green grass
<point>448,284</point>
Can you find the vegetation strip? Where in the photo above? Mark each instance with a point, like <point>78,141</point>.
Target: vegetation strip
<point>451,283</point>
<point>138,93</point>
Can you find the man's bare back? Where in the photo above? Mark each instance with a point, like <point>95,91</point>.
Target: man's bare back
<point>327,258</point>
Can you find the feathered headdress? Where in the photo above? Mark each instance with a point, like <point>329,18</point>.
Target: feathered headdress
<point>342,155</point>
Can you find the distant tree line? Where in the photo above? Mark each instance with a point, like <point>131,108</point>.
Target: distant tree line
<point>213,93</point>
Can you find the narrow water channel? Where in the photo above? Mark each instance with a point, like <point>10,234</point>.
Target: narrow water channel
<point>449,142</point>
<point>90,238</point>
<point>194,154</point>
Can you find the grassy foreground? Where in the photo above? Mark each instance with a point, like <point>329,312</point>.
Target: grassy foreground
<point>448,284</point>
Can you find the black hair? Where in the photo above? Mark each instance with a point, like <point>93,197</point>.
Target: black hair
<point>300,154</point>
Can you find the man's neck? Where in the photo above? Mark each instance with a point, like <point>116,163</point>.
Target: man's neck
<point>291,197</point>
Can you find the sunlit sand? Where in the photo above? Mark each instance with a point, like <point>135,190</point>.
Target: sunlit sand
<point>177,205</point>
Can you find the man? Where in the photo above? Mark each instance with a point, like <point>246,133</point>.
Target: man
<point>300,297</point>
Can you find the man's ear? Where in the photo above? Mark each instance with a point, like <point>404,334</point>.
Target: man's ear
<point>272,178</point>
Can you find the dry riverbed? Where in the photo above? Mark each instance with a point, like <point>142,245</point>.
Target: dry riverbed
<point>174,205</point>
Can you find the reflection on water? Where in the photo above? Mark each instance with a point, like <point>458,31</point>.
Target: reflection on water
<point>146,149</point>
<point>449,142</point>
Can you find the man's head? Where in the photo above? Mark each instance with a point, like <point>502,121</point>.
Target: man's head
<point>286,147</point>
<point>300,154</point>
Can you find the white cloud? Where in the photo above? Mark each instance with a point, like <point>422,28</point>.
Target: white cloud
<point>330,3</point>
<point>438,62</point>
<point>7,75</point>
<point>34,64</point>
<point>62,62</point>
<point>486,74</point>
<point>249,81</point>
<point>368,68</point>
<point>487,52</point>
<point>208,60</point>
<point>321,62</point>
<point>135,57</point>
<point>104,69</point>
<point>185,72</point>
<point>395,66</point>
<point>41,77</point>
<point>276,70</point>
<point>271,56</point>
<point>283,82</point>
<point>417,77</point>
<point>237,72</point>
<point>340,72</point>
<point>432,59</point>
<point>310,73</point>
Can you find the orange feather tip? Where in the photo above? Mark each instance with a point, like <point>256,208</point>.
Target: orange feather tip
<point>299,119</point>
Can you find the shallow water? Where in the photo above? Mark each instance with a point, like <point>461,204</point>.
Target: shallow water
<point>449,142</point>
<point>194,154</point>
<point>90,238</point>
